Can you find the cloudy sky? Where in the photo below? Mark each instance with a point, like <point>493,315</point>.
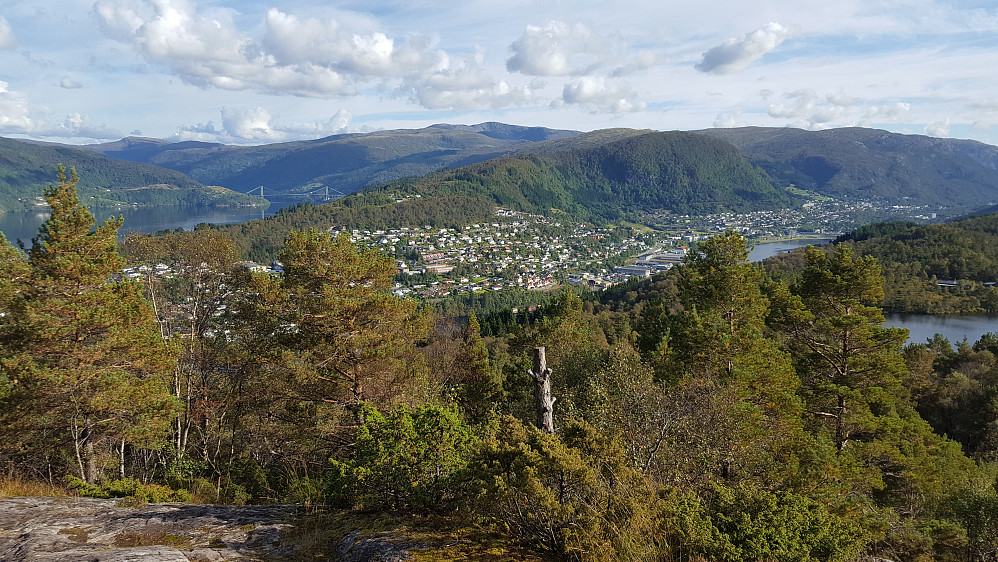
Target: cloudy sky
<point>258,71</point>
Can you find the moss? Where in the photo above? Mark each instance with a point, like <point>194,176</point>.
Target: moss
<point>76,534</point>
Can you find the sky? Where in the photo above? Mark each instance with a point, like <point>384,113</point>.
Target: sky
<point>255,72</point>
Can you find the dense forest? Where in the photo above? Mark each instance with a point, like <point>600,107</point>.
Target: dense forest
<point>943,268</point>
<point>713,412</point>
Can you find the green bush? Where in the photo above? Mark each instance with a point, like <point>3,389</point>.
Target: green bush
<point>741,523</point>
<point>575,496</point>
<point>405,459</point>
<point>125,488</point>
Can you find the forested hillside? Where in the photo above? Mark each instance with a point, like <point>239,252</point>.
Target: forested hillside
<point>710,413</point>
<point>867,163</point>
<point>26,168</point>
<point>679,172</point>
<point>915,258</point>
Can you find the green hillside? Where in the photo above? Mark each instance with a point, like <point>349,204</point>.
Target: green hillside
<point>870,163</point>
<point>916,257</point>
<point>678,172</point>
<point>27,167</point>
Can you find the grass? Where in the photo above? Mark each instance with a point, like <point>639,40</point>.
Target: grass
<point>150,538</point>
<point>15,488</point>
<point>428,538</point>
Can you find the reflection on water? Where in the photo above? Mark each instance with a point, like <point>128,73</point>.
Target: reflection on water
<point>922,327</point>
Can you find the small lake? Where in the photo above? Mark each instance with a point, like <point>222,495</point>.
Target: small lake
<point>763,250</point>
<point>24,224</point>
<point>953,327</point>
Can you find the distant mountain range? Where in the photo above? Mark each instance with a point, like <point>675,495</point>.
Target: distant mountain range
<point>344,163</point>
<point>26,168</point>
<point>599,172</point>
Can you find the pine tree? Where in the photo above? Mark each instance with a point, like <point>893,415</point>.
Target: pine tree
<point>734,392</point>
<point>327,336</point>
<point>851,368</point>
<point>91,364</point>
<point>478,391</point>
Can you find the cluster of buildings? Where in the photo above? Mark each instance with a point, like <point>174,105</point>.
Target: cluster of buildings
<point>533,252</point>
<point>516,250</point>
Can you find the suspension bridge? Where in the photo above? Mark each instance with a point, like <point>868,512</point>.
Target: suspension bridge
<point>322,194</point>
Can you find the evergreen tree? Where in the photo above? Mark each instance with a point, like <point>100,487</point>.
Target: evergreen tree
<point>733,391</point>
<point>91,363</point>
<point>851,369</point>
<point>326,336</point>
<point>478,392</point>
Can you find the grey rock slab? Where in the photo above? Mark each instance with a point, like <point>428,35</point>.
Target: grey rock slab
<point>90,529</point>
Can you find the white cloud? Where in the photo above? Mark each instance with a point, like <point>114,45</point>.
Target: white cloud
<point>69,84</point>
<point>601,95</point>
<point>79,126</point>
<point>465,85</point>
<point>246,125</point>
<point>558,49</point>
<point>210,52</point>
<point>806,110</point>
<point>642,60</point>
<point>293,41</point>
<point>938,129</point>
<point>19,117</point>
<point>729,120</point>
<point>15,112</point>
<point>737,54</point>
<point>890,112</point>
<point>7,39</point>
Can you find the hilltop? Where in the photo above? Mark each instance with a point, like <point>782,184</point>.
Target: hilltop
<point>345,163</point>
<point>871,163</point>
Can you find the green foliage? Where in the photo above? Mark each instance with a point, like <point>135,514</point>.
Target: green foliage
<point>89,362</point>
<point>574,496</point>
<point>914,258</point>
<point>748,523</point>
<point>851,370</point>
<point>127,488</point>
<point>326,336</point>
<point>407,459</point>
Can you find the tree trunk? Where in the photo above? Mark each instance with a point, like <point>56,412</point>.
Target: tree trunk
<point>121,460</point>
<point>542,391</point>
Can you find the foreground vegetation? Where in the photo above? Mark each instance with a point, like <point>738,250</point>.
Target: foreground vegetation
<point>713,412</point>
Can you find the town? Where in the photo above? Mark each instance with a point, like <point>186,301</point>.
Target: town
<point>534,252</point>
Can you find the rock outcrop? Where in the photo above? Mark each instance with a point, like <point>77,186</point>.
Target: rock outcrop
<point>98,530</point>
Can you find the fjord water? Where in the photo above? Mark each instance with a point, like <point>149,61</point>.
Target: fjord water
<point>955,328</point>
<point>24,225</point>
<point>763,250</point>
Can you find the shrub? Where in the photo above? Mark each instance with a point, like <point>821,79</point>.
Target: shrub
<point>127,487</point>
<point>741,523</point>
<point>406,459</point>
<point>575,495</point>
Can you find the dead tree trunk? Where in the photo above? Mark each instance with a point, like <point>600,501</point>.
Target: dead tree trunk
<point>542,391</point>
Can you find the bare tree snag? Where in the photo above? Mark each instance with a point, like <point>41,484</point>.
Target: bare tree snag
<point>542,391</point>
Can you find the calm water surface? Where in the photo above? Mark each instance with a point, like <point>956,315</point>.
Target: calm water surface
<point>765,250</point>
<point>24,225</point>
<point>954,328</point>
